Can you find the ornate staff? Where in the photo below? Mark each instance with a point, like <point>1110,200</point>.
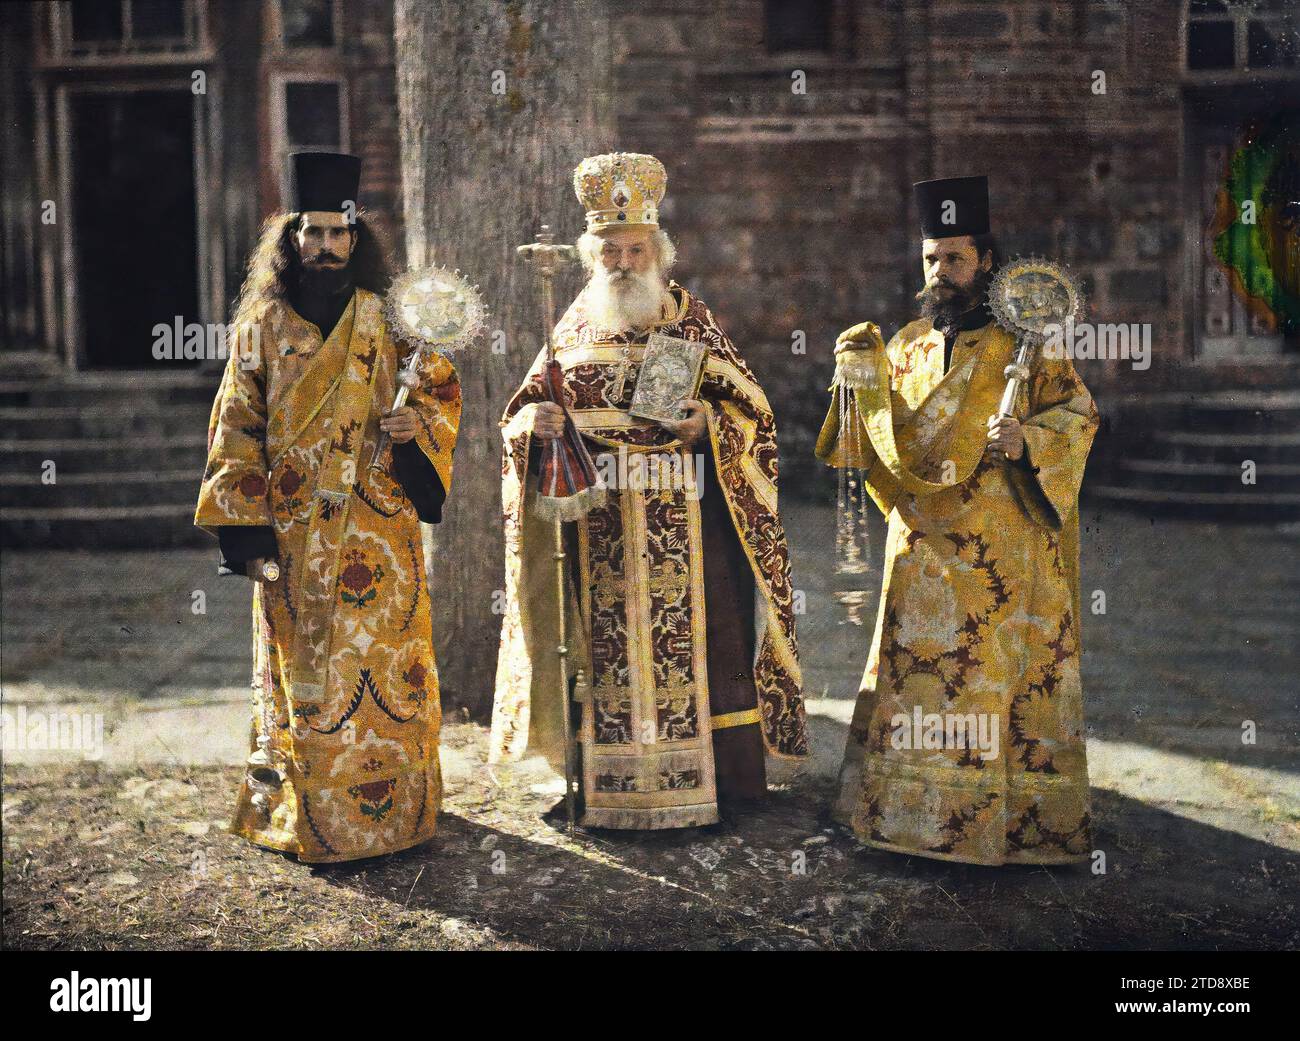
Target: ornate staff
<point>435,310</point>
<point>1027,296</point>
<point>569,485</point>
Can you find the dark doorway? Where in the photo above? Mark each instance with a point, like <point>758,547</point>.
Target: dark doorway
<point>133,196</point>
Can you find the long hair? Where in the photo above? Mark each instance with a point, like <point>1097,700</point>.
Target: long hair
<point>273,266</point>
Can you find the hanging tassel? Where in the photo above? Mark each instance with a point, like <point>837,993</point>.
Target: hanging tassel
<point>569,486</point>
<point>568,507</point>
<point>859,368</point>
<point>581,688</point>
<point>856,370</point>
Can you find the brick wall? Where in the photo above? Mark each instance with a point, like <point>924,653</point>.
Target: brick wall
<point>794,212</point>
<point>247,62</point>
<point>1090,179</point>
<point>369,50</point>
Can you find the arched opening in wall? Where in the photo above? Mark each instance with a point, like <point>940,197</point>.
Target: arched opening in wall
<point>1242,171</point>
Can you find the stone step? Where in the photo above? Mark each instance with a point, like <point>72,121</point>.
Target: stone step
<point>1181,452</point>
<point>73,490</point>
<point>100,455</point>
<point>64,422</point>
<point>1229,447</point>
<point>1244,505</point>
<point>156,525</point>
<point>1257,373</point>
<point>128,448</point>
<point>103,388</point>
<point>1276,412</point>
<point>1207,477</point>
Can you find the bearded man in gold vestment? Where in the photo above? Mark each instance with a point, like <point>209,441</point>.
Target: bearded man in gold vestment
<point>684,685</point>
<point>345,687</point>
<point>967,738</point>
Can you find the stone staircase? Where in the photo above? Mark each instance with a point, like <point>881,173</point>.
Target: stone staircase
<point>127,450</point>
<point>1181,453</point>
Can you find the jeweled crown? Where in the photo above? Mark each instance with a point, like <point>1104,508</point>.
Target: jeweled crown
<point>620,189</point>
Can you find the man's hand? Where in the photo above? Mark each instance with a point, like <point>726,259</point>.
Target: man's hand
<point>865,336</point>
<point>548,421</point>
<point>400,425</point>
<point>1005,437</point>
<point>693,427</point>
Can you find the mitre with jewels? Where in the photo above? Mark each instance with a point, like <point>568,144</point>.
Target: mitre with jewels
<point>620,189</point>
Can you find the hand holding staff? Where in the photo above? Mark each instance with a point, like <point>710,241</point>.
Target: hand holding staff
<point>565,461</point>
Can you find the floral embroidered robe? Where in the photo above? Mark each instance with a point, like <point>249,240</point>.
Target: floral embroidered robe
<point>637,622</point>
<point>344,677</point>
<point>979,611</point>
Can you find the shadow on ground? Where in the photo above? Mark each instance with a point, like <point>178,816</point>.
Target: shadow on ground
<point>105,860</point>
<point>1198,638</point>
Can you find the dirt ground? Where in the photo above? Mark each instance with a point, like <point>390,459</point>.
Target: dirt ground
<point>103,859</point>
<point>1200,830</point>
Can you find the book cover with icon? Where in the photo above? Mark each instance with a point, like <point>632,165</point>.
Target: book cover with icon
<point>670,371</point>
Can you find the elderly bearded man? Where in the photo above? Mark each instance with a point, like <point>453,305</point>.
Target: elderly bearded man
<point>344,682</point>
<point>680,696</point>
<point>966,742</point>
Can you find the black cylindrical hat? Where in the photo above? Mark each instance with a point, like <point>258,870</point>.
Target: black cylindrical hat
<point>325,181</point>
<point>953,206</point>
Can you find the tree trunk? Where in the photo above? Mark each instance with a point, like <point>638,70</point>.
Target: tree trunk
<point>498,103</point>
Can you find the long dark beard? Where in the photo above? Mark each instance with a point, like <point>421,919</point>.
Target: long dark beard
<point>945,310</point>
<point>324,280</point>
<point>273,267</point>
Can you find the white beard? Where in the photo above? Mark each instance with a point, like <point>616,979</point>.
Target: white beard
<point>622,304</point>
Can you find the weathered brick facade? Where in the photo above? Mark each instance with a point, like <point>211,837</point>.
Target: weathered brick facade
<point>243,125</point>
<point>84,92</point>
<point>792,132</point>
<point>363,62</point>
<point>793,212</point>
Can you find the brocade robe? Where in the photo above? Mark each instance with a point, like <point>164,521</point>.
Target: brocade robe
<point>637,621</point>
<point>979,611</point>
<point>344,678</point>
